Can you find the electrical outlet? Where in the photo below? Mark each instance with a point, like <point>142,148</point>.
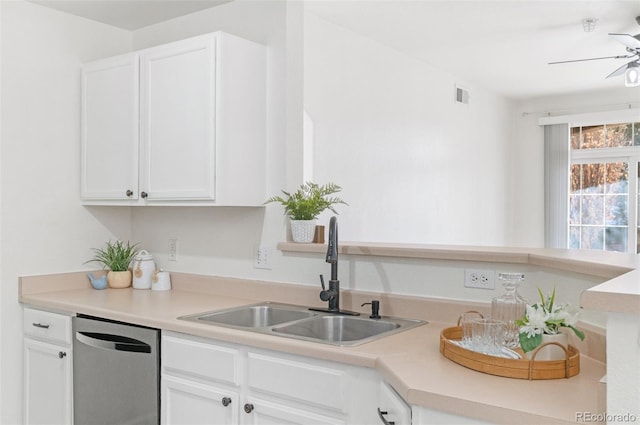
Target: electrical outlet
<point>482,279</point>
<point>262,257</point>
<point>173,249</point>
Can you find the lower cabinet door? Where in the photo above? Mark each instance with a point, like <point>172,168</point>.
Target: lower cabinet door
<point>393,408</point>
<point>47,383</point>
<point>191,403</point>
<point>260,412</point>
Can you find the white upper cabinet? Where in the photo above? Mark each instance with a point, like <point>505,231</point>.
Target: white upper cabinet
<point>200,127</point>
<point>178,115</point>
<point>109,163</point>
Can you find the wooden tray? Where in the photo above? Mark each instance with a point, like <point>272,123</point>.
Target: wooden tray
<point>510,368</point>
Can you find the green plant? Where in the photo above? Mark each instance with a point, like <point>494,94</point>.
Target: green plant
<point>116,256</point>
<point>545,318</point>
<point>309,200</point>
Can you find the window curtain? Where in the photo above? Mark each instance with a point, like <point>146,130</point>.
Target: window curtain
<point>556,185</point>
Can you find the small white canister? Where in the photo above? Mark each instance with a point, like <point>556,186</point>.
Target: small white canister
<point>143,268</point>
<point>161,281</point>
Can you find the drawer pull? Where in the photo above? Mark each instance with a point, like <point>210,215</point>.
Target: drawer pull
<point>40,325</point>
<point>381,414</point>
<point>62,354</point>
<point>248,408</point>
<point>226,401</point>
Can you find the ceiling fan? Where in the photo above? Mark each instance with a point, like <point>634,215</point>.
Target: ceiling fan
<point>631,70</point>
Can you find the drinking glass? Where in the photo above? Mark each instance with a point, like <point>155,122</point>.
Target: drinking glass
<point>466,320</point>
<point>487,336</point>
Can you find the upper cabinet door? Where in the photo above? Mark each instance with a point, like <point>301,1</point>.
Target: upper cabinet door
<point>110,117</point>
<point>178,116</point>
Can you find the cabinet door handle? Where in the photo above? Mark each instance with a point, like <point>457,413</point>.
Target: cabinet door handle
<point>226,401</point>
<point>381,414</point>
<point>40,325</point>
<point>248,408</point>
<point>129,193</point>
<point>144,195</point>
<point>62,354</point>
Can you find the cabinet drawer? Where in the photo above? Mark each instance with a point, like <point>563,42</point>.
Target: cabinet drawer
<point>48,326</point>
<point>200,359</point>
<point>299,381</point>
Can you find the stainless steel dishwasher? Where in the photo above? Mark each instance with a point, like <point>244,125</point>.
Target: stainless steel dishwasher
<point>115,373</point>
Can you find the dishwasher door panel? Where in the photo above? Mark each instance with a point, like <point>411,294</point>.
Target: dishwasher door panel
<point>115,373</point>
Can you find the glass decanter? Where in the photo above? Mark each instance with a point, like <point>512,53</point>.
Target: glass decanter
<point>509,307</point>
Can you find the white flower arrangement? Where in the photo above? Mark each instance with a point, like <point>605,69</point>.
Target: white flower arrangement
<point>545,318</point>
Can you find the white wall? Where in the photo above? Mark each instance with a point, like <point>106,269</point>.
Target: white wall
<point>415,166</point>
<point>44,228</point>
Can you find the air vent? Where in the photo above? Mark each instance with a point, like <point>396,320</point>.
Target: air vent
<point>462,95</point>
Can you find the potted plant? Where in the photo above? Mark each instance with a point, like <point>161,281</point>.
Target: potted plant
<point>116,257</point>
<point>305,205</point>
<point>541,324</point>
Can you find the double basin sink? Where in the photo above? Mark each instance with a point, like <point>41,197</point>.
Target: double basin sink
<point>301,323</point>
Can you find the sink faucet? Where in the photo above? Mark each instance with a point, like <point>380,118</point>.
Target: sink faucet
<point>332,251</point>
<point>332,295</point>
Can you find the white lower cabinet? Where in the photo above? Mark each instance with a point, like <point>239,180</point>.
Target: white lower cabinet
<point>187,402</point>
<point>209,382</point>
<point>48,367</point>
<point>425,416</point>
<point>392,408</point>
<point>263,412</point>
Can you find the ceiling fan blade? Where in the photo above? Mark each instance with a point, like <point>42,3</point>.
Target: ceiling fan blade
<point>620,70</point>
<point>592,59</point>
<point>626,39</point>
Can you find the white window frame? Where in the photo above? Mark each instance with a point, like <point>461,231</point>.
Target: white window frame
<point>630,155</point>
<point>623,154</point>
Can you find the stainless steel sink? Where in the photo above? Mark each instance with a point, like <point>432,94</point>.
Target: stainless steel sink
<point>337,329</point>
<point>253,316</point>
<point>300,323</point>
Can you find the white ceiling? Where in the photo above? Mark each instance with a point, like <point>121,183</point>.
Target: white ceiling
<point>502,45</point>
<point>130,14</point>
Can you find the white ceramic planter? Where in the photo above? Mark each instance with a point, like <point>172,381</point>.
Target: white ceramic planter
<point>551,352</point>
<point>303,231</point>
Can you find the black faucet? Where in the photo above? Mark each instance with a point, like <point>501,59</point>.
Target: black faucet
<point>332,295</point>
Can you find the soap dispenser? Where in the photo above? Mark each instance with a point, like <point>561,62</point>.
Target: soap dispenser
<point>375,309</point>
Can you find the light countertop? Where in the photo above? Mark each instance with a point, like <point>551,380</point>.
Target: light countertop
<point>409,360</point>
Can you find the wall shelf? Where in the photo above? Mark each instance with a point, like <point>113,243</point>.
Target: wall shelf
<point>563,259</point>
<point>620,293</point>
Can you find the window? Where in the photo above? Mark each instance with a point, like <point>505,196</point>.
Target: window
<point>603,187</point>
